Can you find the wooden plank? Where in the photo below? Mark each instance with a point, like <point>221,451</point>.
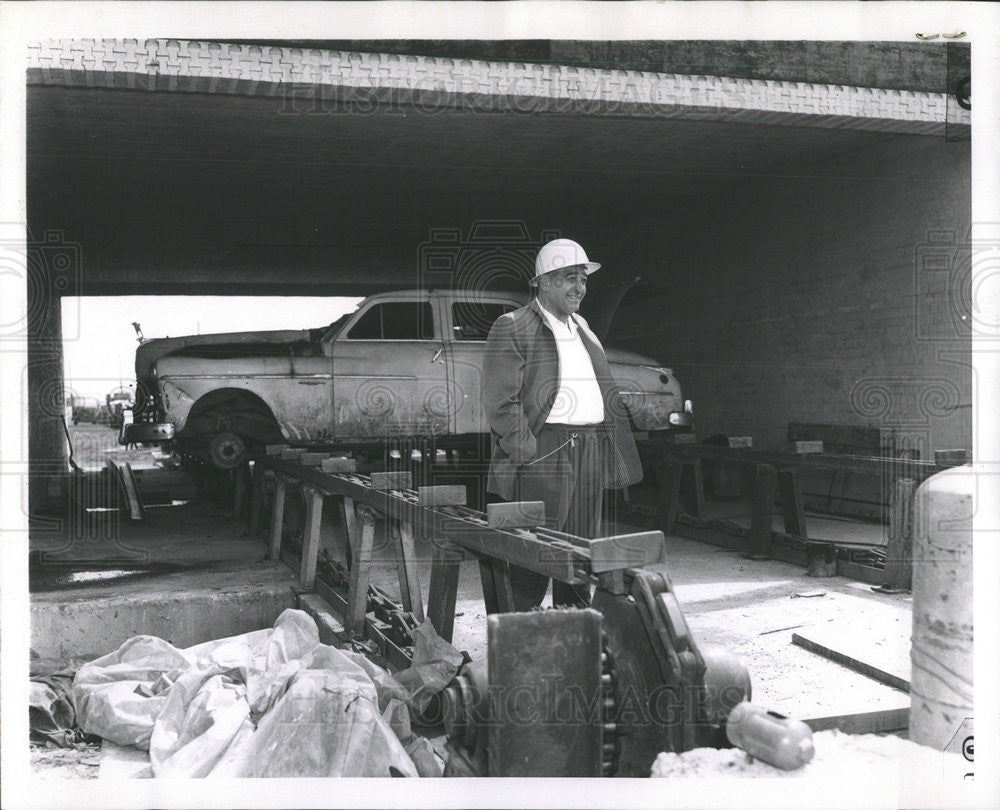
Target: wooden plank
<point>759,547</point>
<point>277,518</point>
<point>361,569</point>
<point>791,502</point>
<point>809,447</point>
<point>384,481</point>
<point>516,515</point>
<point>275,449</point>
<point>886,660</point>
<point>291,453</point>
<point>441,598</point>
<point>129,488</point>
<point>406,568</point>
<point>442,495</point>
<point>899,549</point>
<point>310,536</point>
<point>312,459</point>
<point>625,551</point>
<point>874,722</point>
<point>740,441</point>
<point>860,572</point>
<point>339,465</point>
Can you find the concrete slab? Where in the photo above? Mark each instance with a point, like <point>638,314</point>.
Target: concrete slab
<point>183,608</point>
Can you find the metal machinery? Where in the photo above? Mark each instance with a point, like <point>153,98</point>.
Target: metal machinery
<point>594,692</point>
<point>563,692</point>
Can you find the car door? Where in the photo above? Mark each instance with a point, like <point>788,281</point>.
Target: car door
<point>468,318</point>
<point>389,372</point>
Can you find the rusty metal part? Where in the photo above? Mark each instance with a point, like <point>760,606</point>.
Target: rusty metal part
<point>227,450</point>
<point>545,693</point>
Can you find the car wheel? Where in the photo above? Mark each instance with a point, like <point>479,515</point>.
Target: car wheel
<point>228,450</point>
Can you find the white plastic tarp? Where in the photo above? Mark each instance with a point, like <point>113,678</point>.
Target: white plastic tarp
<point>268,703</point>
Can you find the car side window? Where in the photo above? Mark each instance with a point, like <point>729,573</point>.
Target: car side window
<point>472,319</point>
<point>395,320</point>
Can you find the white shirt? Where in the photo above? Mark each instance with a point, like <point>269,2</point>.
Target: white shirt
<point>579,400</point>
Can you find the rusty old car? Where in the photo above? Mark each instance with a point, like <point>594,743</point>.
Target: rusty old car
<point>403,365</point>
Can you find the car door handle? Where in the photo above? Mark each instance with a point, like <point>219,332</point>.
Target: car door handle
<point>437,354</point>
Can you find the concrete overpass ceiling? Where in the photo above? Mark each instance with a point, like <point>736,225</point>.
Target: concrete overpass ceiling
<point>160,185</point>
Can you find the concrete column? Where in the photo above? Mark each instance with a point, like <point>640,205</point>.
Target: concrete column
<point>48,460</point>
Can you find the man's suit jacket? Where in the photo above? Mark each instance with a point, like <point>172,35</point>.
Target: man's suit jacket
<point>521,381</point>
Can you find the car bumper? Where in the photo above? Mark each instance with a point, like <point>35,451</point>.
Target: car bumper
<point>681,419</point>
<point>146,432</point>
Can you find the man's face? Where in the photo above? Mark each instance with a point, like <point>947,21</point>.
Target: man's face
<point>562,290</point>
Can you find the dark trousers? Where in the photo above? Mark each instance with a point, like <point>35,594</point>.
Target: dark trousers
<point>568,475</point>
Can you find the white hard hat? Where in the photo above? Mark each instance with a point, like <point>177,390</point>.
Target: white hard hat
<point>561,253</point>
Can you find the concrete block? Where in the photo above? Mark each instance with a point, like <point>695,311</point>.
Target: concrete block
<point>392,480</point>
<point>275,449</point>
<point>184,609</point>
<point>311,459</point>
<point>516,515</point>
<point>446,495</point>
<point>339,465</point>
<point>291,453</point>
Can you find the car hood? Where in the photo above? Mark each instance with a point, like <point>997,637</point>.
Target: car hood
<point>628,358</point>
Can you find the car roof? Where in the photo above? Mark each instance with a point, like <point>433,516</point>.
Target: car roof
<point>449,294</point>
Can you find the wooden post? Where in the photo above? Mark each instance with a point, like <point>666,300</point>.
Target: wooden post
<point>357,594</point>
<point>763,507</point>
<point>498,592</point>
<point>669,478</point>
<point>899,549</point>
<point>256,498</point>
<point>694,491</point>
<point>406,567</point>
<point>310,536</point>
<point>443,593</point>
<point>791,502</point>
<point>350,517</point>
<point>239,489</point>
<point>277,518</point>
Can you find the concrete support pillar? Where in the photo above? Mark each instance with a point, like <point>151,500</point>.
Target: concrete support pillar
<point>48,459</point>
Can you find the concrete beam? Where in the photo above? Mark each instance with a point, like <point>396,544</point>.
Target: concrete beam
<point>305,78</point>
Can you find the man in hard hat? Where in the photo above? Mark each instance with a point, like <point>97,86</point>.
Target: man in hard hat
<point>559,427</point>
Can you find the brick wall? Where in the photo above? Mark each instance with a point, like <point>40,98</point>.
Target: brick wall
<point>834,298</point>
